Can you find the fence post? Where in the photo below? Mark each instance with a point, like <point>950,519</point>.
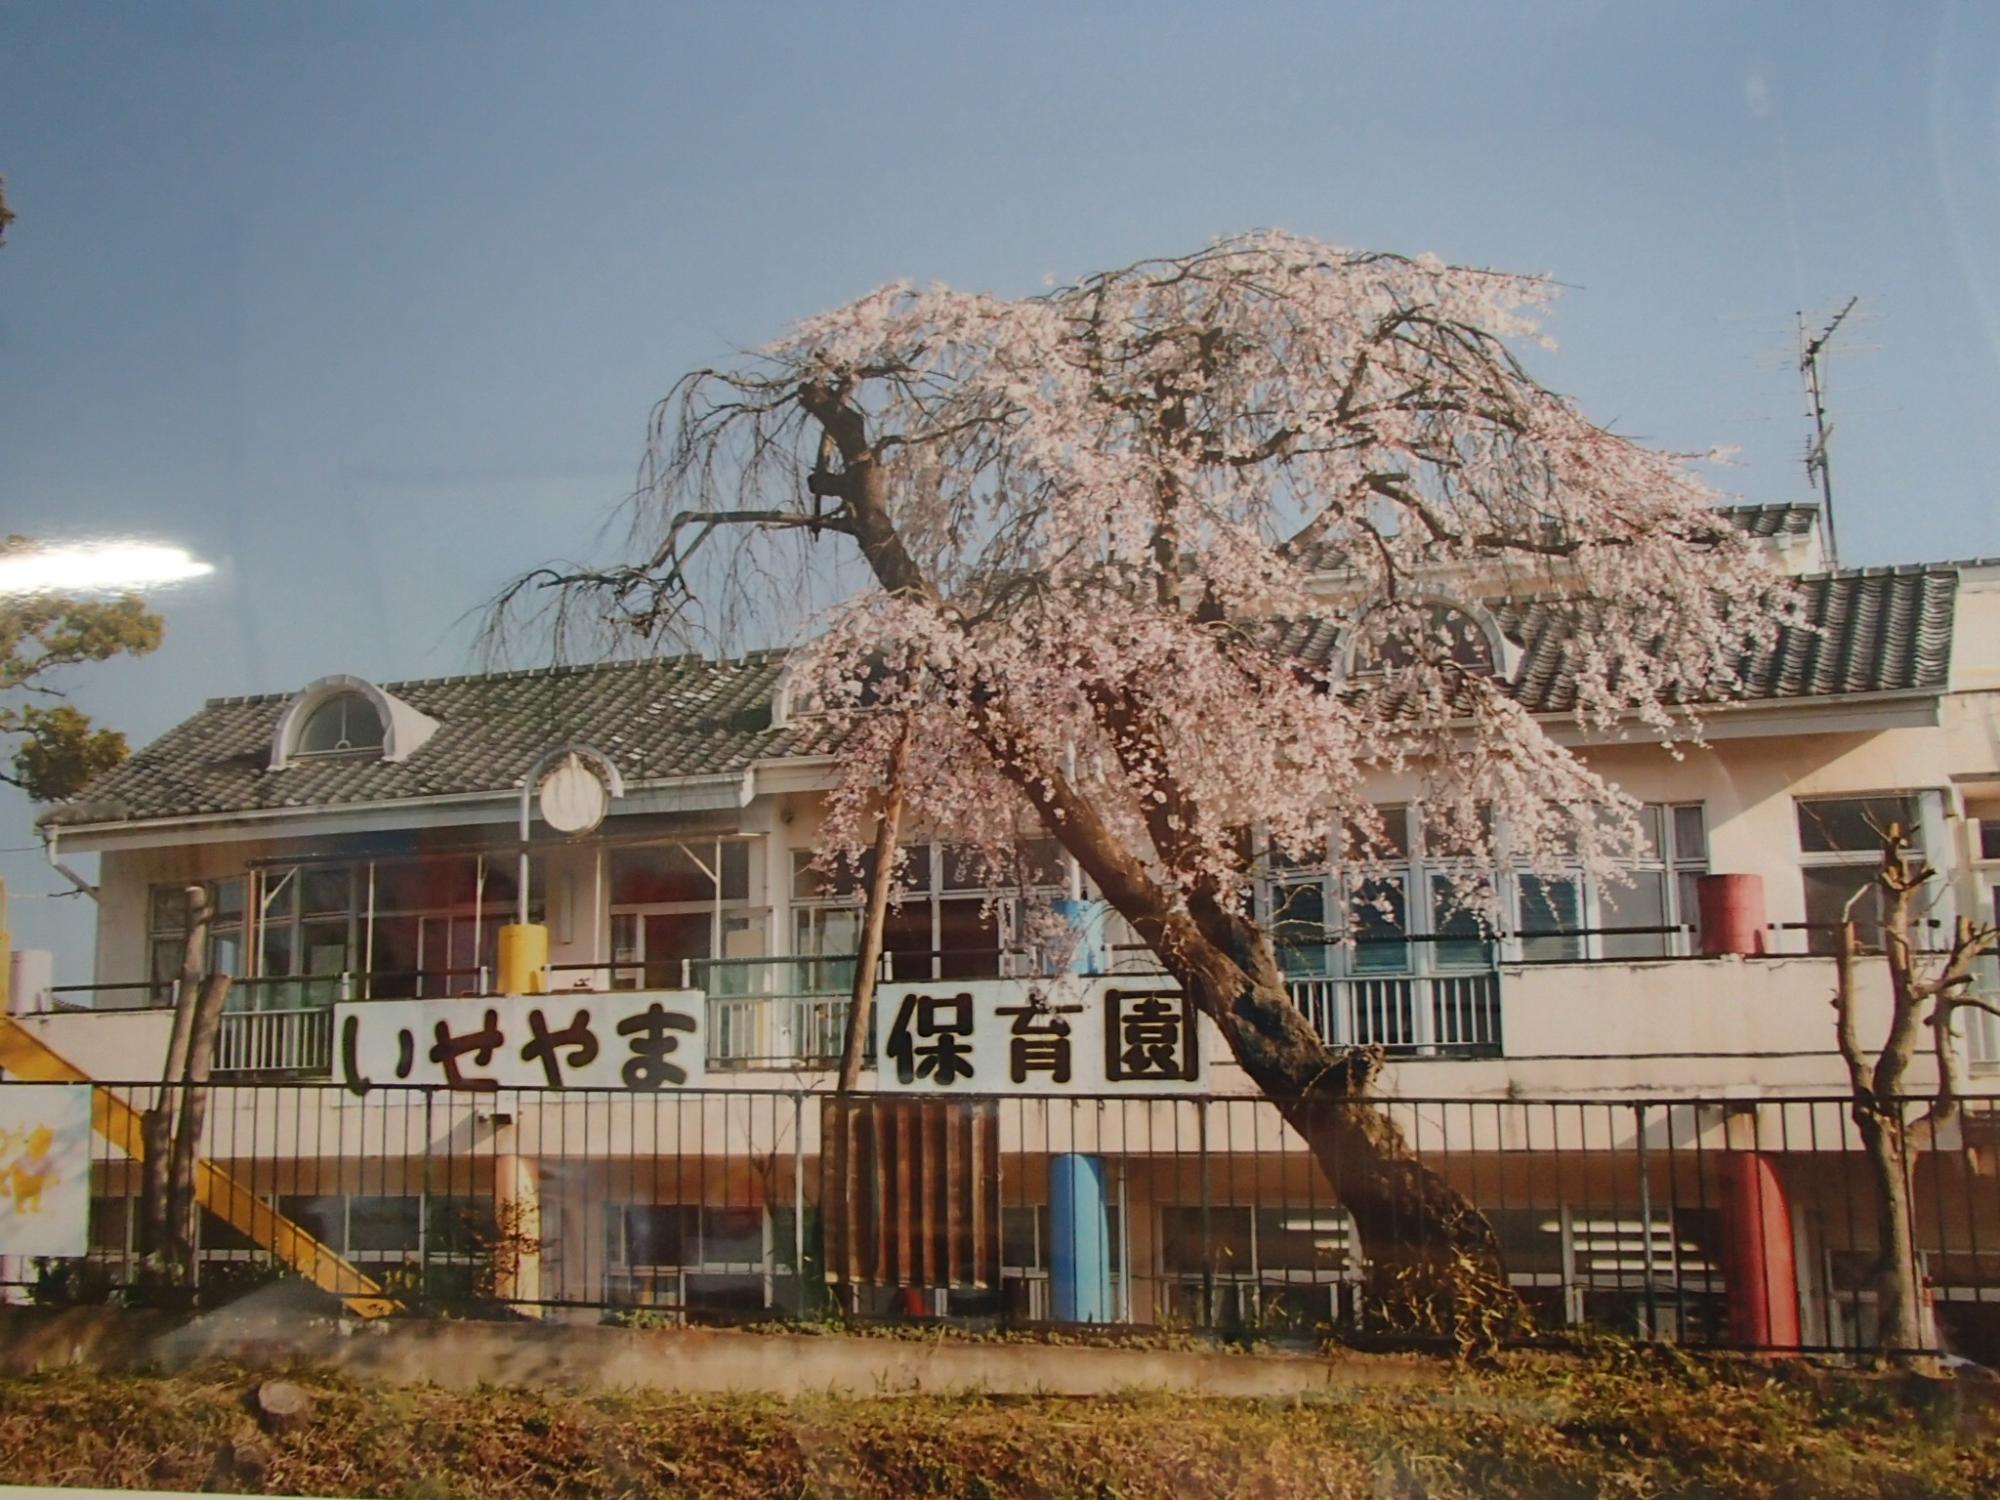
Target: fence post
<point>799,1199</point>
<point>1207,1239</point>
<point>1646,1220</point>
<point>424,1216</point>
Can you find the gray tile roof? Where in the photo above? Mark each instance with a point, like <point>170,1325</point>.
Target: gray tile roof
<point>679,716</point>
<point>1773,520</point>
<point>1879,630</point>
<point>1873,630</point>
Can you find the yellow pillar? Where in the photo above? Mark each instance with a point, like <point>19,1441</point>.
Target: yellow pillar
<point>524,959</point>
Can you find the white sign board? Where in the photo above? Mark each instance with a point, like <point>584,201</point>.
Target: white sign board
<point>45,1169</point>
<point>641,1041</point>
<point>1083,1034</point>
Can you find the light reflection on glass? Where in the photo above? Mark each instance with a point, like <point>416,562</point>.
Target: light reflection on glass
<point>91,566</point>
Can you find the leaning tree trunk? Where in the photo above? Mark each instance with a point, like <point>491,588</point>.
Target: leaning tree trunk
<point>1433,1261</point>
<point>1899,1313</point>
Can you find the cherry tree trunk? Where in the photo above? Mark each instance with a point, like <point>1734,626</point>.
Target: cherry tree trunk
<point>1433,1261</point>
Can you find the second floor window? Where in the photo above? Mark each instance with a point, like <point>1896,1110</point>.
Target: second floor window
<point>675,906</point>
<point>167,933</point>
<point>1840,849</point>
<point>948,925</point>
<point>1414,916</point>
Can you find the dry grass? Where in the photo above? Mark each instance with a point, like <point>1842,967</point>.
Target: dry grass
<point>1627,1422</point>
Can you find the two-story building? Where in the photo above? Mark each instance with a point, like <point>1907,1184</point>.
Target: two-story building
<point>1586,1069</point>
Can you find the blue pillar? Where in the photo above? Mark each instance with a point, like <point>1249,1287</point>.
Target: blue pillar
<point>1079,1240</point>
<point>1090,954</point>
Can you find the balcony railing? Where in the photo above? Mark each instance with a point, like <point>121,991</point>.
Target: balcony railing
<point>790,1012</point>
<point>1445,1015</point>
<point>276,1041</point>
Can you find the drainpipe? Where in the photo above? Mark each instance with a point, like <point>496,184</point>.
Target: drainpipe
<point>50,835</point>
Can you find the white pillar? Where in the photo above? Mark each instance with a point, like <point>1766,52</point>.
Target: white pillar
<point>30,974</point>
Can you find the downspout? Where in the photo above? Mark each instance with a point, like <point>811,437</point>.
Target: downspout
<point>50,835</point>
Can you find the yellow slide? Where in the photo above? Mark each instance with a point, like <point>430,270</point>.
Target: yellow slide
<point>25,1055</point>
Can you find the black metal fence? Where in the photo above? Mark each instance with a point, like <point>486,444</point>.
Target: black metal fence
<point>1711,1221</point>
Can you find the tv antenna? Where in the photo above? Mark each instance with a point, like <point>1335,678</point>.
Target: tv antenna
<point>1810,350</point>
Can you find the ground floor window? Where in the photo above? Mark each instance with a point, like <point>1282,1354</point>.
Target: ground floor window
<point>432,1246</point>
<point>1621,1269</point>
<point>728,1261</point>
<point>1225,1265</point>
<point>1027,1255</point>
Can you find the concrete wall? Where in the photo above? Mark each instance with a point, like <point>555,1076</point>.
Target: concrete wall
<point>462,1354</point>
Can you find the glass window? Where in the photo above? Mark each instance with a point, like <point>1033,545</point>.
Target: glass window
<point>460,1226</point>
<point>1829,891</point>
<point>166,936</point>
<point>428,885</point>
<point>1551,918</point>
<point>660,874</point>
<point>1317,1241</point>
<point>1448,835</point>
<point>1381,921</point>
<point>1840,848</point>
<point>655,1234</point>
<point>384,1224</point>
<point>1652,830</point>
<point>1391,841</point>
<point>1642,903</point>
<point>346,721</point>
<point>810,884</point>
<point>1466,940</point>
<point>732,1236</point>
<point>1298,926</point>
<point>968,939</point>
<point>1690,833</point>
<point>1037,864</point>
<point>735,871</point>
<point>1196,1240</point>
<point>1855,825</point>
<point>323,891</point>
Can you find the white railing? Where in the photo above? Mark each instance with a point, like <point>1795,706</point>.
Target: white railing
<point>776,1031</point>
<point>1450,1014</point>
<point>275,1041</point>
<point>1431,1015</point>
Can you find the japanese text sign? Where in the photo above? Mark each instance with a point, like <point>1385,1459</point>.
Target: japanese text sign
<point>996,1036</point>
<point>643,1042</point>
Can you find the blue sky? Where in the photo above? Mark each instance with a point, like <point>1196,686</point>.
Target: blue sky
<point>367,303</point>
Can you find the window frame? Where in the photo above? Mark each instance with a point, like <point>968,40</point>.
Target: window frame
<point>925,882</point>
<point>343,700</point>
<point>1925,826</point>
<point>1425,875</point>
<point>625,921</point>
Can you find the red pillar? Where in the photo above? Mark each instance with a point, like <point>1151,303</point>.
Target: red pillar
<point>1732,914</point>
<point>1757,1262</point>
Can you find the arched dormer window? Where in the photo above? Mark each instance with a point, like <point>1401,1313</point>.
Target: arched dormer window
<point>1392,634</point>
<point>346,721</point>
<point>347,716</point>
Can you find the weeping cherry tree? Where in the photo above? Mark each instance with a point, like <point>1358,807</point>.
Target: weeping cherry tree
<point>1087,528</point>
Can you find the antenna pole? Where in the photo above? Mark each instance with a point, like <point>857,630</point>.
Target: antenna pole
<point>1816,456</point>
